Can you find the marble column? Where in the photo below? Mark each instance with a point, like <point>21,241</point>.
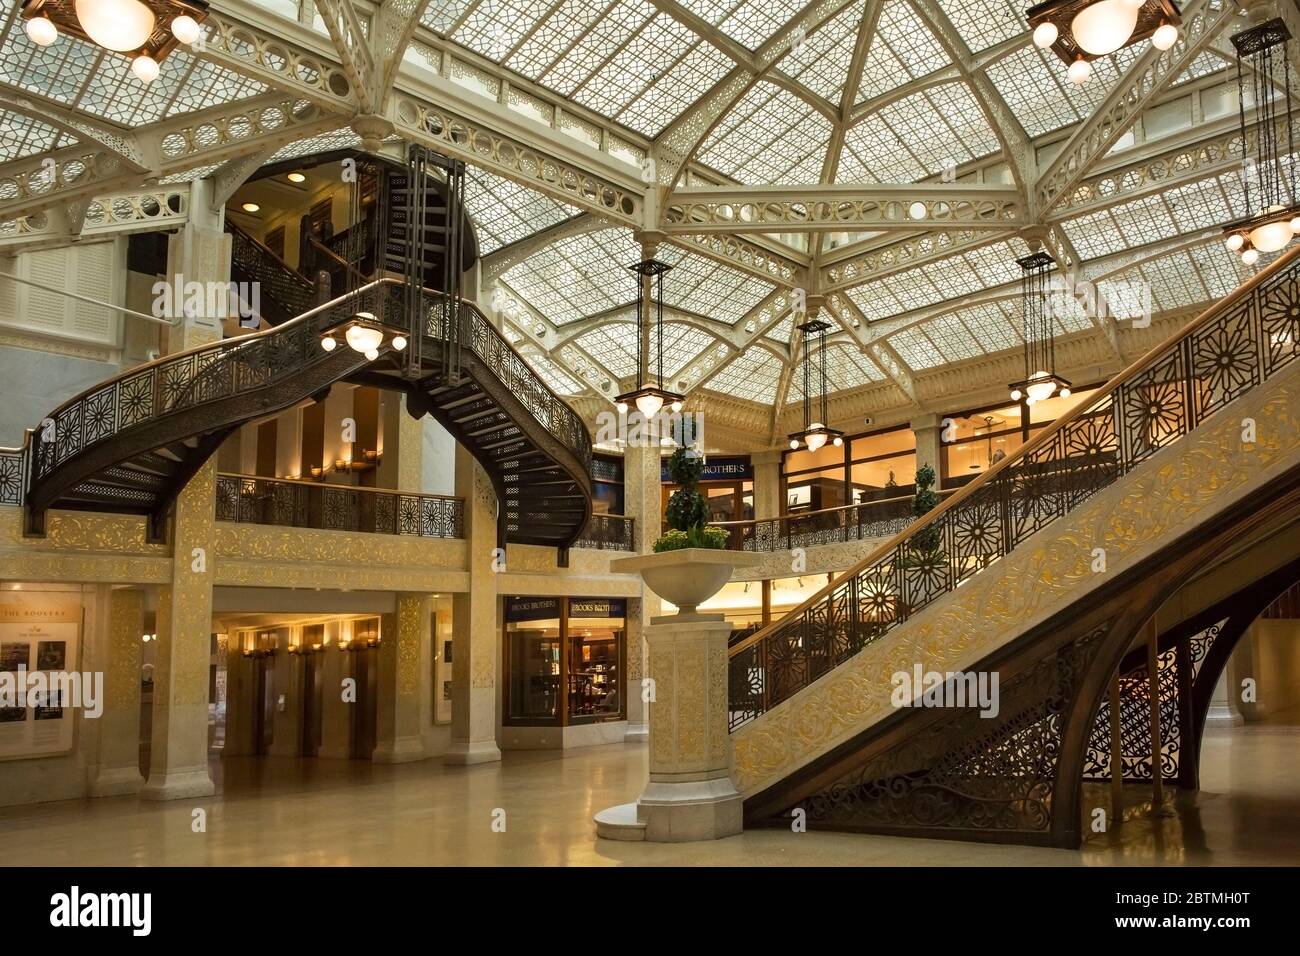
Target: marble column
<point>402,464</point>
<point>117,653</point>
<point>179,753</point>
<point>643,501</point>
<point>928,430</point>
<point>767,484</point>
<point>403,660</point>
<point>476,636</point>
<point>199,251</point>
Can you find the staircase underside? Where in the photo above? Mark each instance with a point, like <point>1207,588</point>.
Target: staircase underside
<point>1049,625</point>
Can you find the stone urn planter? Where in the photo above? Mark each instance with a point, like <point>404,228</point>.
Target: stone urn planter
<point>690,794</point>
<point>686,577</point>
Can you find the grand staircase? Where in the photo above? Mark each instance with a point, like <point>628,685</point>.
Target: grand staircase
<point>130,443</point>
<point>1046,572</point>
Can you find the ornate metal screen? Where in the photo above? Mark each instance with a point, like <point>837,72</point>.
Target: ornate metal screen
<point>1230,349</point>
<point>607,533</point>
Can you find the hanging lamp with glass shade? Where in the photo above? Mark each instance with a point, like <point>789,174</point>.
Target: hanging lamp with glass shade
<point>815,434</point>
<point>1080,31</point>
<point>1268,178</point>
<point>1040,381</point>
<point>144,30</point>
<point>649,399</point>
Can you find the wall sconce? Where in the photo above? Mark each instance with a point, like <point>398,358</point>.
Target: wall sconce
<point>371,456</point>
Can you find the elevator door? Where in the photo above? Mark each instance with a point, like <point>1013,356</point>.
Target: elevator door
<point>365,711</point>
<point>264,705</point>
<point>312,698</point>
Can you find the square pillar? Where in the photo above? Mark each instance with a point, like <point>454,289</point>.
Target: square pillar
<point>401,464</point>
<point>403,661</point>
<point>117,744</point>
<point>475,630</point>
<point>767,484</point>
<point>928,430</point>
<point>179,761</point>
<point>643,501</point>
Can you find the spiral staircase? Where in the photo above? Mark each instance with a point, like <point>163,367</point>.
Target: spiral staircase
<point>1047,571</point>
<point>130,443</point>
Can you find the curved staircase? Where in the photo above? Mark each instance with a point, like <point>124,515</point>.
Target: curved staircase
<point>129,444</point>
<point>1043,572</point>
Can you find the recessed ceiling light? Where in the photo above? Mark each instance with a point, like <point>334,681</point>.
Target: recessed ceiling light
<point>250,207</point>
<point>297,178</point>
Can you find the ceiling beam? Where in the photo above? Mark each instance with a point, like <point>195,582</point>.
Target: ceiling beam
<point>355,55</point>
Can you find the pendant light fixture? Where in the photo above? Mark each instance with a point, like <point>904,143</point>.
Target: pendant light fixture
<point>815,434</point>
<point>1040,381</point>
<point>1272,211</point>
<point>1080,31</point>
<point>145,30</point>
<point>649,399</point>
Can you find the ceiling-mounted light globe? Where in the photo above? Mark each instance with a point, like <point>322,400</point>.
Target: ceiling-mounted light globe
<point>296,178</point>
<point>1065,393</point>
<point>838,442</point>
<point>41,31</point>
<point>794,444</point>
<point>649,404</point>
<point>372,354</point>
<point>1079,72</point>
<point>185,28</point>
<point>916,210</point>
<point>1235,242</point>
<point>1104,27</point>
<point>815,437</point>
<point>121,25</point>
<point>1015,394</point>
<point>1271,236</point>
<point>1250,256</point>
<point>328,343</point>
<point>145,68</point>
<point>1166,35</point>
<point>363,338</point>
<point>399,342</point>
<point>622,407</point>
<point>1045,35</point>
<point>677,406</point>
<point>1295,225</point>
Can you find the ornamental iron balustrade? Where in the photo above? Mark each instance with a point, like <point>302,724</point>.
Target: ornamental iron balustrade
<point>287,291</point>
<point>248,499</point>
<point>860,522</point>
<point>1227,351</point>
<point>608,533</point>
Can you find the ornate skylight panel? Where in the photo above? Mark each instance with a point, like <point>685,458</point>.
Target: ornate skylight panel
<point>596,47</point>
<point>683,84</point>
<point>748,21</point>
<point>59,71</point>
<point>874,301</point>
<point>770,137</point>
<point>440,15</point>
<point>780,333</point>
<point>613,345</point>
<point>822,62</point>
<point>1032,91</point>
<point>955,103</point>
<point>190,175</point>
<point>903,49</point>
<point>1174,280</point>
<point>1204,64</point>
<point>915,349</point>
<point>1220,270</point>
<point>953,340</point>
<point>753,375</point>
<point>1094,235</point>
<point>993,325</point>
<point>683,344</point>
<point>848,367</point>
<point>917,136</point>
<point>1204,204</point>
<point>21,136</point>
<point>560,29</point>
<point>578,276</point>
<point>337,139</point>
<point>505,212</point>
<point>984,23</point>
<point>560,381</point>
<point>714,290</point>
<point>209,85</point>
<point>494,27</point>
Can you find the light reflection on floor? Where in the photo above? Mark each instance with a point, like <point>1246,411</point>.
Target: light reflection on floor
<point>280,811</point>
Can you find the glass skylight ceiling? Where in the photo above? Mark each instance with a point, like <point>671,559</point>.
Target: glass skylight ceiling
<point>504,212</point>
<point>752,376</point>
<point>903,49</point>
<point>21,136</point>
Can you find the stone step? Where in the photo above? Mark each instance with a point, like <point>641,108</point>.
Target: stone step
<point>620,823</point>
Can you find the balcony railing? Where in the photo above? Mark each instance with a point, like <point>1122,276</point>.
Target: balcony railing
<point>869,519</point>
<point>303,504</point>
<point>605,532</point>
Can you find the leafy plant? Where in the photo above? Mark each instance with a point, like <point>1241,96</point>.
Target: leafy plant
<point>926,541</point>
<point>688,510</point>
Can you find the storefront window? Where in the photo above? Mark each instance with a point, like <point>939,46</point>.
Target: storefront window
<point>564,660</point>
<point>727,485</point>
<point>865,468</point>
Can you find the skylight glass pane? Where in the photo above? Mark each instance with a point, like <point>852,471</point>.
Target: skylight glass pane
<point>916,351</point>
<point>903,49</point>
<point>983,23</point>
<point>21,136</point>
<point>505,212</point>
<point>822,62</point>
<point>752,375</point>
<point>770,137</point>
<point>612,345</point>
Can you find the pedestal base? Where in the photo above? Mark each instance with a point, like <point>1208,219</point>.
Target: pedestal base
<point>402,750</point>
<point>676,813</point>
<point>637,732</point>
<point>117,782</point>
<point>179,785</point>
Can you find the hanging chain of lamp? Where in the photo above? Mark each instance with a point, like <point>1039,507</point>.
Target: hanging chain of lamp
<point>1080,31</point>
<point>1040,381</point>
<point>145,30</point>
<point>1272,213</point>
<point>647,398</point>
<point>815,434</point>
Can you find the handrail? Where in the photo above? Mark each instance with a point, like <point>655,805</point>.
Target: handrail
<point>620,539</point>
<point>1182,371</point>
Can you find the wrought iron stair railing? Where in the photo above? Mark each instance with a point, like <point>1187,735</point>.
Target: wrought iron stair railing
<point>1228,350</point>
<point>607,532</point>
<point>857,522</point>
<point>283,288</point>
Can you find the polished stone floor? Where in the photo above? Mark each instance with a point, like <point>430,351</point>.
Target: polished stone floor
<point>277,811</point>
